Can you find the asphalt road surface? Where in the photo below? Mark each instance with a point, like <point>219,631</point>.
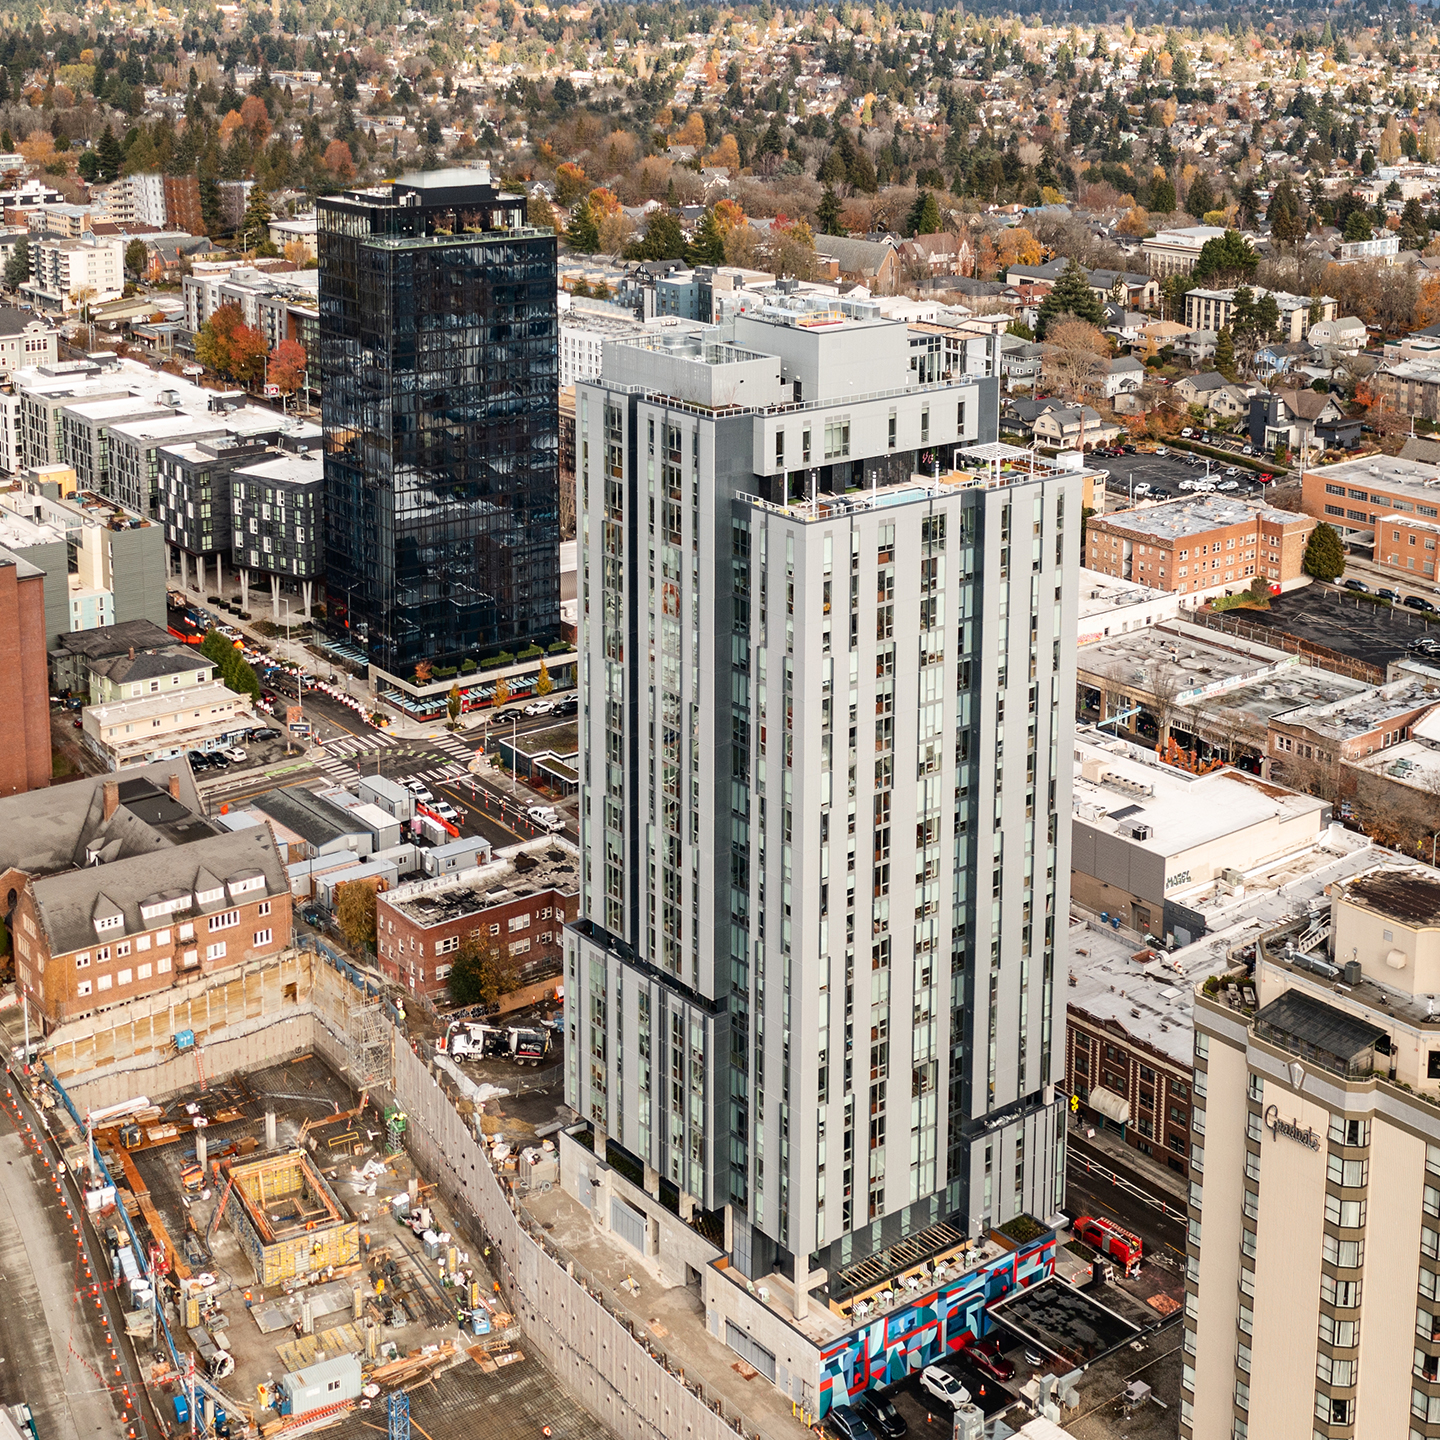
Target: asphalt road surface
<point>1165,472</point>
<point>1327,615</point>
<point>1087,1193</point>
<point>53,1354</point>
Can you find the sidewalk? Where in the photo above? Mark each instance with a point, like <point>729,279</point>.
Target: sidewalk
<point>671,1314</point>
<point>1125,1159</point>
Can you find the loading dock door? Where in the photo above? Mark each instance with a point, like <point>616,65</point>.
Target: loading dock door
<point>750,1351</point>
<point>627,1223</point>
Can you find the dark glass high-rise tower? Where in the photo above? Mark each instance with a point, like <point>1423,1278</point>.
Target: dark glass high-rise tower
<point>439,361</point>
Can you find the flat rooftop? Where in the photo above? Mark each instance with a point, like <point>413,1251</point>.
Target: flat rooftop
<point>1359,714</point>
<point>546,864</point>
<point>1181,810</point>
<point>1180,519</point>
<point>1197,657</point>
<point>1149,994</point>
<point>1413,478</point>
<point>1410,895</point>
<point>289,469</point>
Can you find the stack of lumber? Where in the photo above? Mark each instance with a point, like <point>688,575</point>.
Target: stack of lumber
<point>418,1365</point>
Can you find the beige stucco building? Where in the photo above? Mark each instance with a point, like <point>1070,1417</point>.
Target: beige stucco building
<point>1313,1267</point>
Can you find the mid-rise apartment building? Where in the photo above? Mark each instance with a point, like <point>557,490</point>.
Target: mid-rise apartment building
<point>825,732</point>
<point>516,904</point>
<point>1312,1302</point>
<point>1200,545</point>
<point>1371,499</point>
<point>1215,310</point>
<point>68,274</point>
<point>110,932</point>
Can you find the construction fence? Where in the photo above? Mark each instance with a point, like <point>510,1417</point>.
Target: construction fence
<point>621,1379</point>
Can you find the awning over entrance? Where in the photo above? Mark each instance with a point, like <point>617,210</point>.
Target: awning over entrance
<point>1110,1105</point>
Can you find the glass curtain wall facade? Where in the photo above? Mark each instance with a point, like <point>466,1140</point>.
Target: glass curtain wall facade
<point>438,346</point>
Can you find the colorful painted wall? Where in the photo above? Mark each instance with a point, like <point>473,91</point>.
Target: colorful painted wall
<point>916,1334</point>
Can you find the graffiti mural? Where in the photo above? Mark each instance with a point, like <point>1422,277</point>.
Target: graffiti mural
<point>935,1324</point>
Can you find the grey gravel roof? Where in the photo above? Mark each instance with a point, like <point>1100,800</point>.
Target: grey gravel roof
<point>125,669</point>
<point>68,905</point>
<point>116,639</point>
<point>60,827</point>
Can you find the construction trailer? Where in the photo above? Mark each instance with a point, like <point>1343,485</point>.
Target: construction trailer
<point>287,1219</point>
<point>317,1387</point>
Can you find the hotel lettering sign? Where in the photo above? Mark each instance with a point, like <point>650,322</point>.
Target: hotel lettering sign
<point>1276,1126</point>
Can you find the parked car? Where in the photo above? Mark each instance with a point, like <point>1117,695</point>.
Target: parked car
<point>935,1380</point>
<point>1186,433</point>
<point>1361,587</point>
<point>264,734</point>
<point>545,816</point>
<point>218,760</point>
<point>1127,449</point>
<point>1418,602</point>
<point>1247,449</point>
<point>236,754</point>
<point>1142,488</point>
<point>1265,477</point>
<point>1385,593</point>
<point>198,760</point>
<point>880,1414</point>
<point>1231,471</point>
<point>986,1356</point>
<point>1187,484</point>
<point>418,789</point>
<point>1424,645</point>
<point>539,707</point>
<point>847,1423</point>
<point>568,706</point>
<point>1161,450</point>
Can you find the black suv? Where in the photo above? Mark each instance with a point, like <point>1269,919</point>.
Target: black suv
<point>880,1415</point>
<point>847,1424</point>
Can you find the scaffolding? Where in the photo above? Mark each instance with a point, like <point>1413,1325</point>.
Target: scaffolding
<point>368,1037</point>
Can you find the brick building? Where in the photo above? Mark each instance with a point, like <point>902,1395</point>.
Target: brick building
<point>1353,727</point>
<point>520,901</point>
<point>1199,546</point>
<point>1407,545</point>
<point>108,933</point>
<point>1129,1082</point>
<point>1384,501</point>
<point>25,719</point>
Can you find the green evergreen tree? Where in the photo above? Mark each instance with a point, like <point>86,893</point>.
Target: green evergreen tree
<point>1229,259</point>
<point>924,217</point>
<point>827,214</point>
<point>1225,353</point>
<point>1200,198</point>
<point>663,238</point>
<point>1162,197</point>
<point>1070,295</point>
<point>17,266</point>
<point>1357,226</point>
<point>582,233</point>
<point>1324,555</point>
<point>1286,214</point>
<point>707,244</point>
<point>109,155</point>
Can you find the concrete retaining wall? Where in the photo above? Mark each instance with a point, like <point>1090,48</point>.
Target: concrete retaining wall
<point>594,1355</point>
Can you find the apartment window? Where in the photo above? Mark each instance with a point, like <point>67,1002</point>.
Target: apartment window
<point>215,951</point>
<point>520,947</point>
<point>264,937</point>
<point>892,430</point>
<point>225,920</point>
<point>263,908</point>
<point>1354,1173</point>
<point>444,947</point>
<point>780,449</point>
<point>82,961</point>
<point>102,954</point>
<point>1348,1214</point>
<point>519,922</point>
<point>83,988</point>
<point>1357,1132</point>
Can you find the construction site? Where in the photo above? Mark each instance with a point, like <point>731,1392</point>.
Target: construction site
<point>307,1275</point>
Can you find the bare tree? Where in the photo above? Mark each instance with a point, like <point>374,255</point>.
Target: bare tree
<point>1161,697</point>
<point>1073,349</point>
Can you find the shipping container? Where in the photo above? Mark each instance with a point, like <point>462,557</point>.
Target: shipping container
<point>319,1386</point>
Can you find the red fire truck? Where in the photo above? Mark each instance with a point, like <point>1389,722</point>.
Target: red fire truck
<point>1109,1239</point>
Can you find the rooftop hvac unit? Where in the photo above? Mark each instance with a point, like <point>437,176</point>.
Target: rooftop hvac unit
<point>1139,832</point>
<point>1231,876</point>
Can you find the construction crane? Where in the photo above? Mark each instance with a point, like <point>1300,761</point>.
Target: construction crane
<point>397,1412</point>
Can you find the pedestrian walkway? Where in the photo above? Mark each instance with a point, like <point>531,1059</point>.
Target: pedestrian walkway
<point>451,744</point>
<point>337,770</point>
<point>343,745</point>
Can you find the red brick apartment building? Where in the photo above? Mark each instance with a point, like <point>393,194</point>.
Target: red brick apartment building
<point>1352,728</point>
<point>520,902</point>
<point>1196,546</point>
<point>1113,1073</point>
<point>1386,500</point>
<point>108,933</point>
<point>25,716</point>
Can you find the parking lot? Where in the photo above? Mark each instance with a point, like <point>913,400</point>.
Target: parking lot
<point>919,1408</point>
<point>1164,473</point>
<point>1375,633</point>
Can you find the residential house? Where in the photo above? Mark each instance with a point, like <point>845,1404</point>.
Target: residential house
<point>25,339</point>
<point>944,253</point>
<point>1122,375</point>
<point>1345,333</point>
<point>1226,398</point>
<point>875,265</point>
<point>1073,427</point>
<point>1300,417</point>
